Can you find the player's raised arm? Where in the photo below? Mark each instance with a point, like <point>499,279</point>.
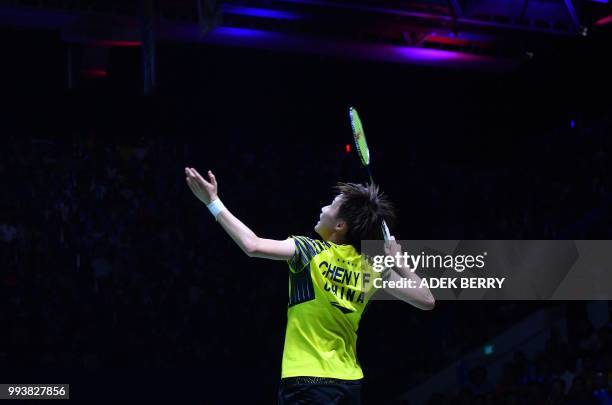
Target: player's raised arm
<point>421,298</point>
<point>254,246</point>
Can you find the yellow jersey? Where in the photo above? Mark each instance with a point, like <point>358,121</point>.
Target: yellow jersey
<point>329,288</point>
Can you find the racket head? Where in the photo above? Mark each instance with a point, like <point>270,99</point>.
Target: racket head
<point>364,153</point>
<point>359,137</point>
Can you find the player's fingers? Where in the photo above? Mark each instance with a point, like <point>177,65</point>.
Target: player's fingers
<point>194,184</point>
<point>212,177</point>
<point>190,174</point>
<point>193,175</point>
<point>200,178</point>
<point>190,184</point>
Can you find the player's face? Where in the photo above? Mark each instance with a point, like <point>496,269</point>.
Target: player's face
<point>328,220</point>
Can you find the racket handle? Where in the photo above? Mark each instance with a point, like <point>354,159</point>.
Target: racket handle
<point>386,232</point>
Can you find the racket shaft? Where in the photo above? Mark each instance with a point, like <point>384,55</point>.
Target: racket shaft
<point>385,228</point>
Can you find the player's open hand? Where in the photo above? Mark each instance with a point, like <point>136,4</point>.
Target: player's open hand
<point>205,190</point>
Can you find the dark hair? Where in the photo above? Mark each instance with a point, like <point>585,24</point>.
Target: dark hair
<point>364,208</point>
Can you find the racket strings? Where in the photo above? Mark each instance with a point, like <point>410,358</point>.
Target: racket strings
<point>359,136</point>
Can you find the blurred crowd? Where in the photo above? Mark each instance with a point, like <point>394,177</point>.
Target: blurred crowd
<point>563,373</point>
<point>108,261</point>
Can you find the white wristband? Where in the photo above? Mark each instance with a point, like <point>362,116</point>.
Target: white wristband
<point>215,207</point>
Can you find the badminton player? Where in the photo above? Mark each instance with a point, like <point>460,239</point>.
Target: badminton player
<point>329,288</point>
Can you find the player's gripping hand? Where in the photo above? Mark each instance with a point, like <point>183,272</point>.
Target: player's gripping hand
<point>205,190</point>
<point>392,248</point>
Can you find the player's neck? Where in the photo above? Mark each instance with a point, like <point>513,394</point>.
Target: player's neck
<point>337,239</point>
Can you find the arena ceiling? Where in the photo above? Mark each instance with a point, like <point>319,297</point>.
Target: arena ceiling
<point>476,34</point>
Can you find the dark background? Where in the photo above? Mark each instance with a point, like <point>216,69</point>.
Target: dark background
<point>118,281</point>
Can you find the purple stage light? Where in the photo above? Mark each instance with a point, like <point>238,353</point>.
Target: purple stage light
<point>246,37</point>
<point>260,12</point>
<point>237,33</point>
<point>430,55</point>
